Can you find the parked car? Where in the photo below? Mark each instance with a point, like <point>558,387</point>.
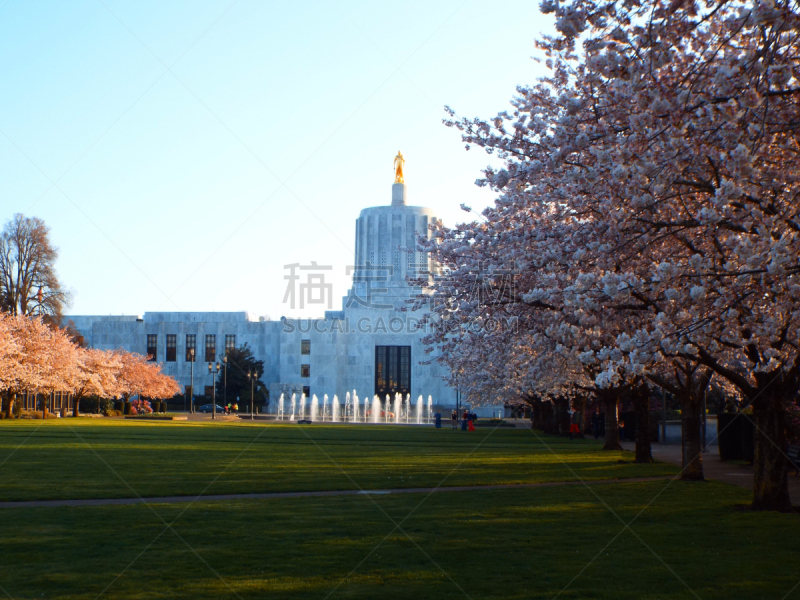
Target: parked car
<point>206,408</point>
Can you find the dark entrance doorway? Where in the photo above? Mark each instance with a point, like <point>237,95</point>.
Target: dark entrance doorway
<point>392,370</point>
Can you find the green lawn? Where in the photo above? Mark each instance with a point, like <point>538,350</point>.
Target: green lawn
<point>689,540</point>
<point>82,458</point>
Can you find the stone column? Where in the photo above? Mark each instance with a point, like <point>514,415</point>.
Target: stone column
<point>398,194</point>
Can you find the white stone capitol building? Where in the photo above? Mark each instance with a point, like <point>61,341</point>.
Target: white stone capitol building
<point>368,346</point>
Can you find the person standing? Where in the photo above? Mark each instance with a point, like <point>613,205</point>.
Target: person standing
<point>454,419</point>
<point>438,420</point>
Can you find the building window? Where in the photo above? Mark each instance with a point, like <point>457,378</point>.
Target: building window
<point>305,346</point>
<point>187,391</point>
<point>305,370</point>
<point>230,343</point>
<point>307,391</point>
<point>392,370</point>
<point>191,347</point>
<point>152,346</point>
<point>172,347</point>
<point>211,348</point>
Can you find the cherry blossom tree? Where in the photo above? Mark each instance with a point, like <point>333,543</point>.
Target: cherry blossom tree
<point>137,376</point>
<point>9,353</point>
<point>95,375</point>
<point>42,359</point>
<point>36,357</point>
<point>648,201</point>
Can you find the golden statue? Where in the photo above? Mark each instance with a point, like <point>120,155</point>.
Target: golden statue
<point>399,161</point>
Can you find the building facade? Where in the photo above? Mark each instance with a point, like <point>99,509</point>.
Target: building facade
<point>369,346</point>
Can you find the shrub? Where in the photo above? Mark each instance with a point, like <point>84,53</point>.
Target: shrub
<point>127,408</point>
<point>35,414</point>
<point>89,404</point>
<point>112,413</point>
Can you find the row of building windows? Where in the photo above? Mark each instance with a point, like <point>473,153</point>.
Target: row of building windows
<point>211,347</point>
<point>191,346</point>
<point>209,390</point>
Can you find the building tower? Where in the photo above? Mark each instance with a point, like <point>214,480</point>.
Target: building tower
<point>386,253</point>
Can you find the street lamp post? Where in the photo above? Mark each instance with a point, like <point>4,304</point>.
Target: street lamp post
<point>252,377</point>
<point>213,372</point>
<point>225,381</point>
<point>191,385</point>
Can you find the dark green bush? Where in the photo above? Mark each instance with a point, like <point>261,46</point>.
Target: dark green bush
<point>89,404</point>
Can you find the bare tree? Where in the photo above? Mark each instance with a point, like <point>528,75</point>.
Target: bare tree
<point>28,281</point>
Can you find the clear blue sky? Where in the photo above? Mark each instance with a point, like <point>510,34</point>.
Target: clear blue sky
<point>183,152</point>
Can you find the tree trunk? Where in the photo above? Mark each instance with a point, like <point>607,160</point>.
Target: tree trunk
<point>536,414</point>
<point>641,404</point>
<point>611,406</point>
<point>579,406</point>
<point>8,404</point>
<point>691,442</point>
<point>562,416</point>
<point>770,469</point>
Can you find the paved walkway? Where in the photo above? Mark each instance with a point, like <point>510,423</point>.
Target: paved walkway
<point>271,495</point>
<point>714,468</point>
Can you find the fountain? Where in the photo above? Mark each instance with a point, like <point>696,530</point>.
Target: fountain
<point>376,409</point>
<point>398,410</point>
